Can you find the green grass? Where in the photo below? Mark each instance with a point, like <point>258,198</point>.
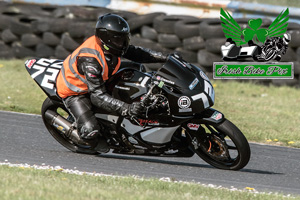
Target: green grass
<point>24,183</point>
<point>18,91</point>
<point>265,114</point>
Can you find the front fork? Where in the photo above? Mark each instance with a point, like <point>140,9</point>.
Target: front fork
<point>197,134</point>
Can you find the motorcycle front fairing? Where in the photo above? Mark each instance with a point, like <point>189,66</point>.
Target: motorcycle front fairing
<point>186,86</point>
<point>188,89</point>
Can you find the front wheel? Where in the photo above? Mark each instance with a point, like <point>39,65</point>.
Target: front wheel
<point>221,145</point>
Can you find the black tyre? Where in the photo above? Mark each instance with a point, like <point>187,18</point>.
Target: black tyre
<point>295,41</point>
<point>51,39</point>
<point>68,42</point>
<point>41,25</point>
<point>61,52</point>
<point>223,145</point>
<point>3,6</point>
<point>293,26</point>
<point>22,52</point>
<point>127,15</point>
<point>138,41</point>
<point>8,36</point>
<point>44,51</point>
<point>296,67</point>
<point>165,24</point>
<point>21,26</point>
<point>30,40</point>
<point>29,9</point>
<point>214,45</point>
<point>149,33</point>
<point>90,30</point>
<point>59,25</point>
<point>194,43</point>
<point>5,21</point>
<point>211,29</point>
<point>62,12</point>
<point>189,56</point>
<point>58,136</point>
<point>206,59</point>
<point>5,51</point>
<point>187,28</point>
<point>169,40</point>
<point>77,29</point>
<point>141,20</point>
<point>289,56</point>
<point>82,12</point>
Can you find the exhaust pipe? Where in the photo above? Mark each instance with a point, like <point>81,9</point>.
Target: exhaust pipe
<point>62,125</point>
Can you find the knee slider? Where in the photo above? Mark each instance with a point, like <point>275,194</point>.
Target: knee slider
<point>89,131</point>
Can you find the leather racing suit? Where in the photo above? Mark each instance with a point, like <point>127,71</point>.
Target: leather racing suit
<point>80,105</point>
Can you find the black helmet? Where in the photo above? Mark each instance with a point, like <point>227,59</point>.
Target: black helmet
<point>113,31</point>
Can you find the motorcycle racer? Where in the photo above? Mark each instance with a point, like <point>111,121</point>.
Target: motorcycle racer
<point>80,83</point>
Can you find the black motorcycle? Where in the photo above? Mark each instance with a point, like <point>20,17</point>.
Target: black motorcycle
<point>179,120</point>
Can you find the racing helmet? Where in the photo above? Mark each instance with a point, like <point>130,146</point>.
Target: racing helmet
<point>113,32</point>
<point>286,38</point>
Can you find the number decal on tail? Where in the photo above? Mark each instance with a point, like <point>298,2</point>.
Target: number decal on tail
<point>44,72</point>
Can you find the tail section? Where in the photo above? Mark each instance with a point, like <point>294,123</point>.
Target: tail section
<point>44,72</point>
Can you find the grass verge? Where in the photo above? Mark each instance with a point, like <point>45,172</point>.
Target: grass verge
<point>24,183</point>
<point>18,91</point>
<point>267,114</point>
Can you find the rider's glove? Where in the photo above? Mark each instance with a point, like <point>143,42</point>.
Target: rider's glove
<point>135,109</point>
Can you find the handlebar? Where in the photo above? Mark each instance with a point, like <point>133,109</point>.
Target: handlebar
<point>147,96</point>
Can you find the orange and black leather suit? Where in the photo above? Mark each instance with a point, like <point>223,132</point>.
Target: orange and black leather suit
<point>81,81</point>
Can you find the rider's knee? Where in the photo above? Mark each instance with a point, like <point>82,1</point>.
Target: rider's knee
<point>89,130</point>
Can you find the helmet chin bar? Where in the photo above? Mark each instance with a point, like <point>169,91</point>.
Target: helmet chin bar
<point>108,49</point>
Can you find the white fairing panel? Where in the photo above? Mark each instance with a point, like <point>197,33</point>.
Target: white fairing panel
<point>131,128</point>
<point>159,135</point>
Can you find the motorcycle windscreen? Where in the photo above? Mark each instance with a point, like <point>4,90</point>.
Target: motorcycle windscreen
<point>189,89</point>
<point>44,72</point>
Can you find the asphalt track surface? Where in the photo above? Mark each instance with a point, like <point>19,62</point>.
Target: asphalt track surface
<point>24,139</point>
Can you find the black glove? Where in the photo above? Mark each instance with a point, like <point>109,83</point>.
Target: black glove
<point>136,109</point>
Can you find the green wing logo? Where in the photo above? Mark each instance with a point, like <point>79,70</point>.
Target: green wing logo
<point>233,30</point>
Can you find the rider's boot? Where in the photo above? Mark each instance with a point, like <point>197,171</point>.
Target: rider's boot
<point>98,144</point>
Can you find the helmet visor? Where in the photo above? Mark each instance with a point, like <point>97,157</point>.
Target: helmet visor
<point>119,41</point>
<point>116,42</point>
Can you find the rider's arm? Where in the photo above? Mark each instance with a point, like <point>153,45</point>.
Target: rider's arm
<point>144,55</point>
<point>91,69</point>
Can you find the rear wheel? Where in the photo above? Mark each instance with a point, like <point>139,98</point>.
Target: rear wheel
<point>60,109</point>
<point>222,145</point>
